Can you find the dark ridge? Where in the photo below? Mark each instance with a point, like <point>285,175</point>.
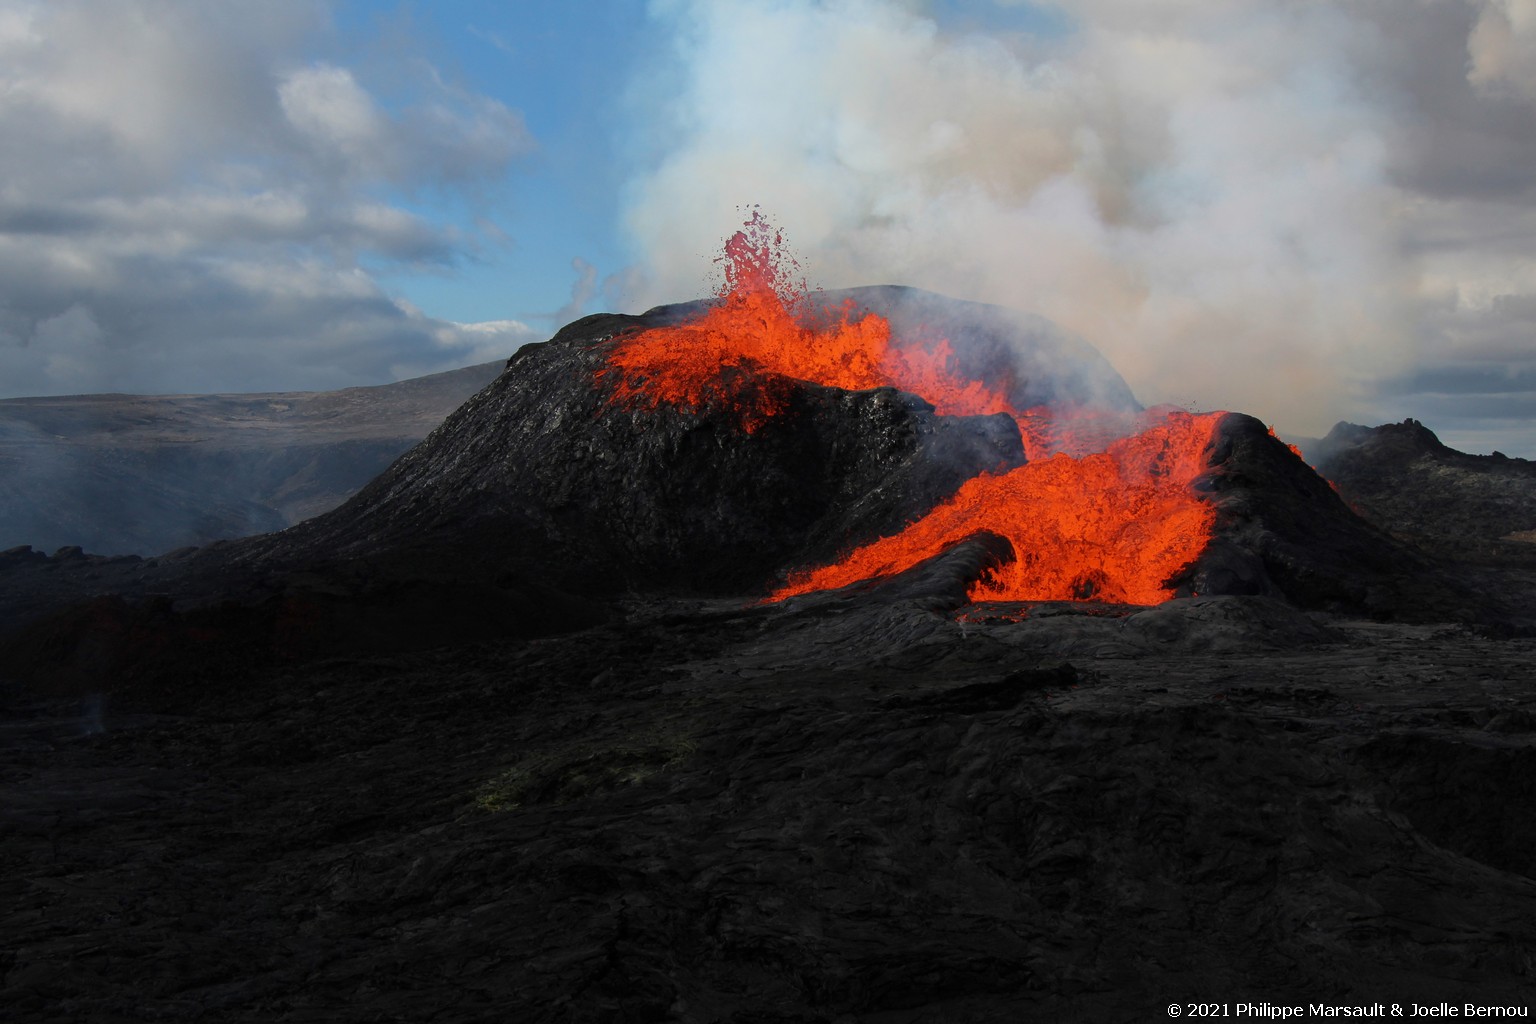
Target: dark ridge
<point>1401,477</point>
<point>541,472</point>
<point>1283,531</point>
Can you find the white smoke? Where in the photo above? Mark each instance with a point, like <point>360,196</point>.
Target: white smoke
<point>1502,47</point>
<point>1198,189</point>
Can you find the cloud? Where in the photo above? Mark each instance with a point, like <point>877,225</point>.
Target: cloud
<point>72,341</point>
<point>333,112</point>
<point>1232,200</point>
<point>475,343</point>
<point>187,203</point>
<point>1502,48</point>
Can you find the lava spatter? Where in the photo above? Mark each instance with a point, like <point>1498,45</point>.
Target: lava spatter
<point>760,325</point>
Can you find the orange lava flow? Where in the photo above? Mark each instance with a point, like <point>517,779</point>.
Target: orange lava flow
<point>1112,526</point>
<point>1110,517</point>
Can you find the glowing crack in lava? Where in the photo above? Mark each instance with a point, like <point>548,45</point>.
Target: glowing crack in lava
<point>1110,525</point>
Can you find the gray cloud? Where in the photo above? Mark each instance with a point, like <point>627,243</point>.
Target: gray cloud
<point>1502,47</point>
<point>1473,381</point>
<point>1255,204</point>
<point>185,204</point>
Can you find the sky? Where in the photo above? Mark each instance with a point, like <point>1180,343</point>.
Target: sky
<point>1309,211</point>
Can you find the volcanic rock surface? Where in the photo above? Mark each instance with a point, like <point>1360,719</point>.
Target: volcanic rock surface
<point>1283,531</point>
<point>850,807</point>
<point>146,474</point>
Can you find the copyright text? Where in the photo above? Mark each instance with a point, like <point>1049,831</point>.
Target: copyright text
<point>1277,1011</point>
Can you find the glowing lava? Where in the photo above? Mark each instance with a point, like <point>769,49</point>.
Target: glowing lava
<point>759,326</point>
<point>1112,526</point>
<point>1111,521</point>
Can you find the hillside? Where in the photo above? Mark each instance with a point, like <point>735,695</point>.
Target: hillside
<point>1402,478</point>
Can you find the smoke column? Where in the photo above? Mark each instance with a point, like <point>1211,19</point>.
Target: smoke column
<point>1198,189</point>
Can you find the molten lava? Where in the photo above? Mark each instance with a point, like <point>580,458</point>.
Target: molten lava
<point>1112,526</point>
<point>759,327</point>
<point>1107,517</point>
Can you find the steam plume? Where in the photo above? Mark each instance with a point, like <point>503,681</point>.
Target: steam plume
<point>1200,190</point>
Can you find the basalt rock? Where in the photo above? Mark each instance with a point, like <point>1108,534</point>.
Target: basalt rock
<point>854,812</point>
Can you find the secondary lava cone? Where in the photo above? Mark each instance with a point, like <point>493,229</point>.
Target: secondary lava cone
<point>1115,524</point>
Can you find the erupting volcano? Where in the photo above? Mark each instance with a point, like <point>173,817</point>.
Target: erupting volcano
<point>773,440</point>
<point>1097,512</point>
<point>523,693</point>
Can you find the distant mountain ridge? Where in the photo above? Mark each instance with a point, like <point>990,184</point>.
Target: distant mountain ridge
<point>146,474</point>
<point>1401,477</point>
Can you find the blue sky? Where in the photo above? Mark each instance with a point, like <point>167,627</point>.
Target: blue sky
<point>578,74</point>
<point>562,201</point>
<point>1309,212</point>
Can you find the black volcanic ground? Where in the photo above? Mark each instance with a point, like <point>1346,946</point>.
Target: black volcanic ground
<point>423,759</point>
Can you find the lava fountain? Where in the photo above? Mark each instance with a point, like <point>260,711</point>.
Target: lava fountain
<point>1105,508</point>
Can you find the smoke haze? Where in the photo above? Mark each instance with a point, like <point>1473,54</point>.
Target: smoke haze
<point>1268,206</point>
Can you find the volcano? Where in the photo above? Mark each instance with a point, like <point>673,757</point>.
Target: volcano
<point>803,656</point>
<point>767,445</point>
<point>774,441</point>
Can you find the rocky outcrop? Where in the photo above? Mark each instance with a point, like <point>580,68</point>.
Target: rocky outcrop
<point>1401,477</point>
<point>1282,530</point>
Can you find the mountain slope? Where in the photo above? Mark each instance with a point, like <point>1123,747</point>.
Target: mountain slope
<point>1401,477</point>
